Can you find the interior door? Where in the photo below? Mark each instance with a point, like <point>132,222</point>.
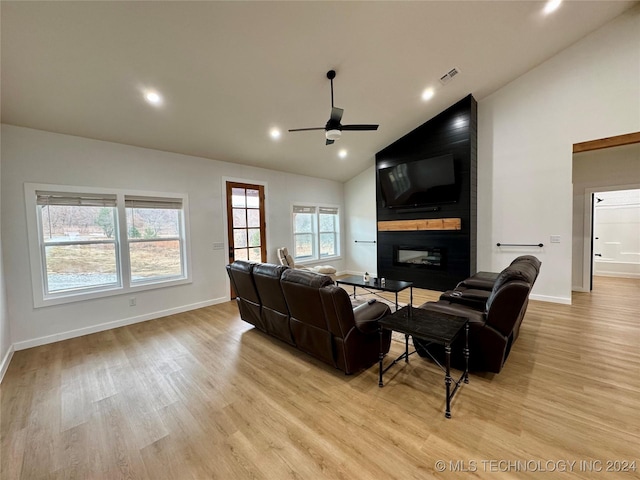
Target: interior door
<point>246,227</point>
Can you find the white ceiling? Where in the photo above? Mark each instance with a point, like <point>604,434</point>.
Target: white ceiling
<point>230,71</point>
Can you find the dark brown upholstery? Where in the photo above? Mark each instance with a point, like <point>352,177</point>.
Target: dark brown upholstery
<point>241,276</point>
<point>355,336</point>
<point>493,329</point>
<point>308,323</point>
<point>476,290</point>
<point>307,310</point>
<point>275,313</point>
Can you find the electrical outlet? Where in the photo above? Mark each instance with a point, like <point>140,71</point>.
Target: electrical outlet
<point>555,238</point>
<point>132,302</point>
<point>218,246</point>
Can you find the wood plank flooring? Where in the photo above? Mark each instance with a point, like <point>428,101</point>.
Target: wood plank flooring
<point>203,395</point>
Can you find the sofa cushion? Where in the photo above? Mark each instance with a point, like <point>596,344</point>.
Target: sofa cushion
<point>326,269</point>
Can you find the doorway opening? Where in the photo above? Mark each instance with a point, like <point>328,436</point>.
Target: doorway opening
<point>615,234</point>
<point>605,166</point>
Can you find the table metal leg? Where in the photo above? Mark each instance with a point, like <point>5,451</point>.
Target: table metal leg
<point>466,353</point>
<point>380,384</point>
<point>406,348</point>
<point>447,379</point>
<point>354,292</point>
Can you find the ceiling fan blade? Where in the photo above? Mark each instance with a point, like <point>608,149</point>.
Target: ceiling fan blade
<point>359,127</point>
<point>306,129</point>
<point>336,114</point>
<point>329,142</point>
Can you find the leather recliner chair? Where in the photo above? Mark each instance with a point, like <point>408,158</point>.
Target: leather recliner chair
<point>275,313</point>
<point>475,290</point>
<point>325,325</point>
<point>493,329</point>
<point>241,276</point>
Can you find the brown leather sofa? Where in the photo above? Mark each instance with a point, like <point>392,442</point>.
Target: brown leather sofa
<point>494,323</point>
<point>307,310</point>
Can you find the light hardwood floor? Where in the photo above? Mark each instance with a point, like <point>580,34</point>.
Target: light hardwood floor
<point>204,395</point>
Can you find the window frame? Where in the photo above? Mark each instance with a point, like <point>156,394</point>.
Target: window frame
<point>316,232</point>
<point>155,203</point>
<point>125,286</point>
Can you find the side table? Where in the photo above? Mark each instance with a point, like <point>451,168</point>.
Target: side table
<point>434,328</point>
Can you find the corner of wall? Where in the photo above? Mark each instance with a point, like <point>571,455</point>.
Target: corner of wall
<point>4,365</point>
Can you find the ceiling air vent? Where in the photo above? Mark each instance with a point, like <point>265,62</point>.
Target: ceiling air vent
<point>447,77</point>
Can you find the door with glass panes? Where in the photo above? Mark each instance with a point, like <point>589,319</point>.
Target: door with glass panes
<point>246,223</point>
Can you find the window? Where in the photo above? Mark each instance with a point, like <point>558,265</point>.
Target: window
<point>88,243</point>
<point>154,236</point>
<point>315,232</point>
<point>328,222</point>
<point>78,244</point>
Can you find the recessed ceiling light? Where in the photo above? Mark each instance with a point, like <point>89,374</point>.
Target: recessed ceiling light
<point>153,98</point>
<point>342,153</point>
<point>275,133</point>
<point>428,94</point>
<point>551,6</point>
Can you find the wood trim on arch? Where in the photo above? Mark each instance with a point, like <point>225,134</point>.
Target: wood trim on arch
<point>607,142</point>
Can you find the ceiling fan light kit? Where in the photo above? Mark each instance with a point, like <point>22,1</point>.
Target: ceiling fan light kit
<point>333,129</point>
<point>333,134</point>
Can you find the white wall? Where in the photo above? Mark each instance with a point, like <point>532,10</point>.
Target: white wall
<point>526,131</point>
<point>360,203</point>
<point>41,157</point>
<point>5,332</point>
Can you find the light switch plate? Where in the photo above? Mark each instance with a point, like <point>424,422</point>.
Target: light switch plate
<point>555,238</point>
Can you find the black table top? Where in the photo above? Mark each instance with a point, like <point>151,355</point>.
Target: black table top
<point>437,327</point>
<point>389,285</point>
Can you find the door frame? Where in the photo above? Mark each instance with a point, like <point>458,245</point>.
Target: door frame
<point>225,219</point>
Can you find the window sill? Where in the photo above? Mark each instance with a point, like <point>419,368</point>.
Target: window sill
<point>73,297</point>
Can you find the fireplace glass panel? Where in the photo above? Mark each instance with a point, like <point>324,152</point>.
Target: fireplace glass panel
<point>430,257</point>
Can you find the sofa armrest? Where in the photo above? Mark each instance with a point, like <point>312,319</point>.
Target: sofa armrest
<point>471,297</point>
<point>366,316</point>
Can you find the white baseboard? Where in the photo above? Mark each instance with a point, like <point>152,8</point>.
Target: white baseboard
<point>617,274</point>
<point>550,299</point>
<point>581,289</point>
<point>57,337</point>
<point>5,362</point>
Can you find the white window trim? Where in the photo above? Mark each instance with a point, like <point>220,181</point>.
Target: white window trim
<point>316,234</point>
<point>38,267</point>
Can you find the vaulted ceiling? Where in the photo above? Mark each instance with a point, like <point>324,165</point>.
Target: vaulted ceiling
<point>229,72</point>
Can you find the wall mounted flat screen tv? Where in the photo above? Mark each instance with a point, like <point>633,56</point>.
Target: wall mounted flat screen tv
<point>429,181</point>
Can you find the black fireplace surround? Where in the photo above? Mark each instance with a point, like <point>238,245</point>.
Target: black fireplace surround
<point>444,257</point>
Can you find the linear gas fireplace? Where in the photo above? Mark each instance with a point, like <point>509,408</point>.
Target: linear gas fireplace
<point>424,257</point>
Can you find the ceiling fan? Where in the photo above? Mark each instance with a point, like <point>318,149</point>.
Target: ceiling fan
<point>333,129</point>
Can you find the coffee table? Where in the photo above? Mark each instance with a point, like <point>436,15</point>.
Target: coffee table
<point>375,284</point>
<point>434,328</point>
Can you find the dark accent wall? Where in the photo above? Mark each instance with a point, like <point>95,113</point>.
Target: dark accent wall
<point>454,131</point>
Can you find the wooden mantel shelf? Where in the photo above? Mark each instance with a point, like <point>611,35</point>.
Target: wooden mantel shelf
<point>422,224</point>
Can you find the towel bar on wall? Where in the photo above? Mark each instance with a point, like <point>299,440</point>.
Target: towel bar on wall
<point>520,244</point>
<point>364,241</point>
